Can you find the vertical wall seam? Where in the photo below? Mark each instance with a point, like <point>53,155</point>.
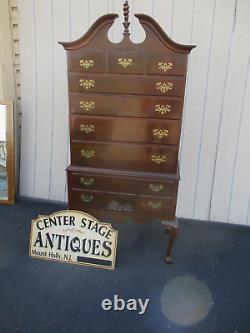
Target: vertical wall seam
<point>172,19</point>
<point>204,108</point>
<point>88,12</point>
<point>52,94</point>
<point>248,210</point>
<point>67,150</point>
<point>238,138</point>
<point>187,84</point>
<point>35,106</point>
<point>220,119</point>
<point>153,8</point>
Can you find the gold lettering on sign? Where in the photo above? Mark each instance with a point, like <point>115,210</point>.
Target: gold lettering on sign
<point>87,63</point>
<point>164,87</point>
<point>125,62</point>
<point>159,159</point>
<point>87,106</point>
<point>159,133</point>
<point>87,197</point>
<point>87,181</point>
<point>156,187</point>
<point>87,128</point>
<point>165,66</point>
<point>155,204</point>
<point>162,109</point>
<point>87,84</point>
<point>87,153</point>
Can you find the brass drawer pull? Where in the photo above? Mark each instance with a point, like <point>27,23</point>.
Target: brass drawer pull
<point>87,128</point>
<point>156,187</point>
<point>162,109</point>
<point>155,204</point>
<point>120,206</point>
<point>87,63</point>
<point>159,133</point>
<point>87,153</point>
<point>125,62</point>
<point>159,159</point>
<point>164,87</point>
<point>87,106</point>
<point>165,66</point>
<point>87,181</point>
<point>87,84</point>
<point>87,197</point>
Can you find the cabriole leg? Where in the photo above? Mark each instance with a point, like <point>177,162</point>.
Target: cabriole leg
<point>172,230</point>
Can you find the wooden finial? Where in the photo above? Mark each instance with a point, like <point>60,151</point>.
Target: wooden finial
<point>126,23</point>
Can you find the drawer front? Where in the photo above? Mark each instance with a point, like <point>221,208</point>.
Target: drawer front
<point>142,207</point>
<point>155,204</point>
<point>86,199</point>
<point>89,181</point>
<point>126,63</point>
<point>131,106</point>
<point>90,62</point>
<point>127,84</point>
<point>95,199</point>
<point>167,64</point>
<point>125,129</point>
<point>155,158</point>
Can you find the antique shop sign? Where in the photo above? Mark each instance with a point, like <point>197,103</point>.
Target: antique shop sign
<point>74,237</point>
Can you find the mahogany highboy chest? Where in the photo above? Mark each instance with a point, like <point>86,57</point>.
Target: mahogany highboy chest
<point>126,104</point>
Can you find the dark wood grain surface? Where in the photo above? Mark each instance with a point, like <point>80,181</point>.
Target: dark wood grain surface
<point>127,84</point>
<point>156,158</point>
<point>126,105</point>
<point>124,129</point>
<point>112,183</point>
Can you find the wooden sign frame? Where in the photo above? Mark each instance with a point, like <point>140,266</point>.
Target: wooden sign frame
<point>74,237</point>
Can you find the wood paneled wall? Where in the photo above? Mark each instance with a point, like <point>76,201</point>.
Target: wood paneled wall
<point>215,153</point>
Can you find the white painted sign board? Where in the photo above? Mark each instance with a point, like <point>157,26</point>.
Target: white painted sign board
<point>74,237</point>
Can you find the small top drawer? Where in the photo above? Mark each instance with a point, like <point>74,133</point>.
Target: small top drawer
<point>126,63</point>
<point>166,64</point>
<point>90,62</point>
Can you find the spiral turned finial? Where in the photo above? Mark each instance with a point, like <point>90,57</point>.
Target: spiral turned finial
<point>126,23</point>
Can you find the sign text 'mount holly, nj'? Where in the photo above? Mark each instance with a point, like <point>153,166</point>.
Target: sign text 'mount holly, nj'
<point>74,237</point>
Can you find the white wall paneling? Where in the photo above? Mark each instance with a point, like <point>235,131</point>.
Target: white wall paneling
<point>227,163</point>
<point>214,154</point>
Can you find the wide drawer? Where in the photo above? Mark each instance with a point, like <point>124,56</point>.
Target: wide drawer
<point>121,202</point>
<point>124,129</point>
<point>91,181</point>
<point>155,158</point>
<point>125,105</point>
<point>97,199</point>
<point>127,84</point>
